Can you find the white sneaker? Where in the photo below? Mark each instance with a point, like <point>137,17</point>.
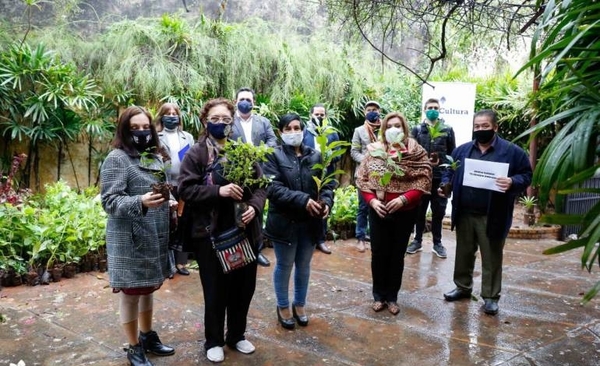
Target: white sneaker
<point>215,354</point>
<point>245,347</point>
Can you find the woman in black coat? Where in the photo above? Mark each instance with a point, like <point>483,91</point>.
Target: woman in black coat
<point>209,207</point>
<point>295,216</point>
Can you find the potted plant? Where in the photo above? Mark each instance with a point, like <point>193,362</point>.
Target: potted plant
<point>529,203</point>
<point>330,151</point>
<point>452,165</point>
<point>239,168</point>
<point>343,213</point>
<point>435,131</point>
<point>150,162</point>
<point>391,164</point>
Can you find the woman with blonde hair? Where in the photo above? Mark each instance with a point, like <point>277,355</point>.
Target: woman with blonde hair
<point>392,178</point>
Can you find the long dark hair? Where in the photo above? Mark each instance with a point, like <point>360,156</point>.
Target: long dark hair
<point>123,138</point>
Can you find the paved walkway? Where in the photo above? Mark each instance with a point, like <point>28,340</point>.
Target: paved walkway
<point>75,321</point>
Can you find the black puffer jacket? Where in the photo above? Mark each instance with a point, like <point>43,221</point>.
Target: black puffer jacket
<point>442,145</point>
<point>290,190</point>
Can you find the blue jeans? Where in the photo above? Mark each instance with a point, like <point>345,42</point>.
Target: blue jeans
<point>362,218</point>
<point>287,255</point>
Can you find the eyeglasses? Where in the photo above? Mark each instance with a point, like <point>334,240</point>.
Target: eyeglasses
<point>220,119</point>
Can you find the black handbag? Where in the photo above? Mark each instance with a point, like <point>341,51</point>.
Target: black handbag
<point>233,249</point>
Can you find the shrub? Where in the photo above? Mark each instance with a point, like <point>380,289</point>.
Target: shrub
<point>345,206</point>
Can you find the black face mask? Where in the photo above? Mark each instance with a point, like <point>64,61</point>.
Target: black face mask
<point>141,139</point>
<point>484,136</point>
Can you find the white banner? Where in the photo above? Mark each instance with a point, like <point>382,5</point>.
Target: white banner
<point>457,104</point>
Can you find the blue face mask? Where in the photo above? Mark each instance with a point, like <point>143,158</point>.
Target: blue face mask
<point>218,130</point>
<point>372,116</point>
<point>170,122</point>
<point>244,106</point>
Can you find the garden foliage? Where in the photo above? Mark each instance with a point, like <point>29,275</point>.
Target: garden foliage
<point>59,227</point>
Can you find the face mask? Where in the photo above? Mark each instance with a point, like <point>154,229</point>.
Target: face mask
<point>372,116</point>
<point>432,114</point>
<point>170,122</point>
<point>484,136</point>
<point>292,139</point>
<point>218,130</point>
<point>244,106</point>
<point>394,135</point>
<point>141,139</point>
<point>318,120</point>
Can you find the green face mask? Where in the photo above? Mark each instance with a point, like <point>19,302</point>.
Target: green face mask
<point>432,114</point>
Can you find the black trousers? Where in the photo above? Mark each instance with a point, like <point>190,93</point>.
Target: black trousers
<point>224,294</point>
<point>389,239</point>
<point>438,210</point>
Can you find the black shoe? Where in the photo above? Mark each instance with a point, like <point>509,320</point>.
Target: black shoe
<point>324,248</point>
<point>183,271</point>
<point>286,323</point>
<point>491,306</point>
<point>368,238</point>
<point>301,319</point>
<point>151,343</point>
<point>262,260</point>
<point>457,294</point>
<point>136,356</point>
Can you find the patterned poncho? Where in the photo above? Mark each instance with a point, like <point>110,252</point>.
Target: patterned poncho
<point>414,163</point>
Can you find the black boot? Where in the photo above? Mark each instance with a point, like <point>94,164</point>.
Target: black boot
<point>151,343</point>
<point>136,356</point>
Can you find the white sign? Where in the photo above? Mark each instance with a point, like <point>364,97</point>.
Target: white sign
<point>457,105</point>
<point>483,174</point>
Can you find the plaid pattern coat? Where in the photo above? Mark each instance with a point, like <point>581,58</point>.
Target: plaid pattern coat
<point>136,237</point>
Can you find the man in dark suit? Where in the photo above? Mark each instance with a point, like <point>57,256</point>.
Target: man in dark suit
<point>317,114</point>
<point>252,129</point>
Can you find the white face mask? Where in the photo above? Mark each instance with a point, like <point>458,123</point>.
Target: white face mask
<point>292,139</point>
<point>394,135</point>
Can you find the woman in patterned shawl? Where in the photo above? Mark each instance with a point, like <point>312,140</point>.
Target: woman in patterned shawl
<point>392,178</point>
<point>137,231</point>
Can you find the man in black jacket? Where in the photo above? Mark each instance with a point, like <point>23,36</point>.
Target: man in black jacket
<point>437,147</point>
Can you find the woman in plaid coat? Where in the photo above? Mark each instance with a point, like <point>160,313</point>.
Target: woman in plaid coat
<point>137,230</point>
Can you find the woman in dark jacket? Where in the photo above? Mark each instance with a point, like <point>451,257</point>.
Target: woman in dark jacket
<point>137,231</point>
<point>209,207</point>
<point>295,216</point>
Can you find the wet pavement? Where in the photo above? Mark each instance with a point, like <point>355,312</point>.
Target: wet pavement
<point>541,321</point>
